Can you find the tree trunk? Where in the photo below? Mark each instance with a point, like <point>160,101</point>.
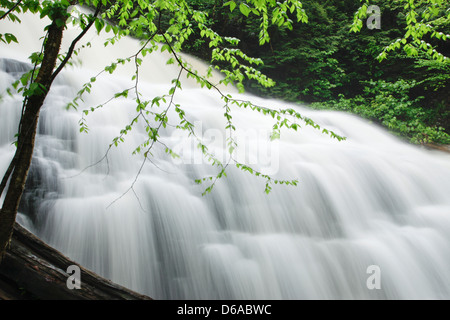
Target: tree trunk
<point>26,137</point>
<point>33,270</point>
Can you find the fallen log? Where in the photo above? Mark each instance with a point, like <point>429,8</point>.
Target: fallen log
<point>32,269</point>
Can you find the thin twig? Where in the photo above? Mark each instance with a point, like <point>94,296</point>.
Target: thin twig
<point>149,148</point>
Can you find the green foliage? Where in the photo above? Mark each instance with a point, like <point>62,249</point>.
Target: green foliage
<point>8,38</point>
<point>258,43</point>
<point>173,26</point>
<point>423,19</point>
<point>389,104</point>
<point>323,62</point>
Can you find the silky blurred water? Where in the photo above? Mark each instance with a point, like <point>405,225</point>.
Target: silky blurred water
<point>371,200</point>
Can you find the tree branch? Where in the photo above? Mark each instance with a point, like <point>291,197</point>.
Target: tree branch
<point>11,10</point>
<point>74,42</point>
<point>19,146</point>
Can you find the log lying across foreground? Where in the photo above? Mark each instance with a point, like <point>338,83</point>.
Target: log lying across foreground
<point>33,270</point>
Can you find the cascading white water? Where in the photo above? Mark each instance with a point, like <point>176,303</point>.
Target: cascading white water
<point>371,200</point>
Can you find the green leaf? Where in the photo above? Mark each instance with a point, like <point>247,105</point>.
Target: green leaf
<point>231,4</point>
<point>9,37</point>
<point>99,25</point>
<point>244,8</point>
<point>35,89</point>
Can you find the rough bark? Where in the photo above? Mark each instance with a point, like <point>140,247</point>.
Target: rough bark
<point>28,267</point>
<point>18,170</point>
<point>33,270</point>
<point>26,137</point>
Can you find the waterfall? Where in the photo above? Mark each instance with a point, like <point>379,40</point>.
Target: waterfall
<point>371,202</point>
